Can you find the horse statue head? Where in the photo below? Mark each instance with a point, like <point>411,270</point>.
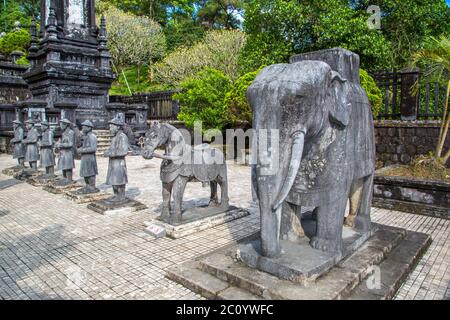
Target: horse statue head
<point>164,134</point>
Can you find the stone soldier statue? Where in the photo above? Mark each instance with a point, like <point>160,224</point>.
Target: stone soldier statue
<point>17,142</point>
<point>31,143</point>
<point>47,156</point>
<point>117,169</point>
<point>88,167</point>
<point>66,146</point>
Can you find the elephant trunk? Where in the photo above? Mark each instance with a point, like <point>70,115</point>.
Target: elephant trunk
<point>272,191</point>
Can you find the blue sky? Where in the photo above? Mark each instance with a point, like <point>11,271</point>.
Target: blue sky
<point>448,2</point>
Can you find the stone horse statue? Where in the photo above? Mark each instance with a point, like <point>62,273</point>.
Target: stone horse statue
<point>182,164</point>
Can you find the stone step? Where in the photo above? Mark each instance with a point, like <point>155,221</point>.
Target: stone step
<point>198,281</point>
<point>392,249</point>
<point>394,269</point>
<point>233,293</point>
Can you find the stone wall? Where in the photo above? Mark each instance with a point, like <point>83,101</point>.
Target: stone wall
<point>398,142</point>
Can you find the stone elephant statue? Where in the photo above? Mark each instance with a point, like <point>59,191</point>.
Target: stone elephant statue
<point>326,152</point>
<point>181,164</point>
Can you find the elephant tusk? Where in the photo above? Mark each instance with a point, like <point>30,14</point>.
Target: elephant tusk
<point>294,165</point>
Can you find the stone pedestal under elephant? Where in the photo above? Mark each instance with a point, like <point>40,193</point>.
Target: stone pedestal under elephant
<point>325,153</point>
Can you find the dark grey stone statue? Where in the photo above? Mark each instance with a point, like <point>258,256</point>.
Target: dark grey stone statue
<point>17,142</point>
<point>88,167</point>
<point>326,149</point>
<point>66,147</point>
<point>178,167</point>
<point>31,143</point>
<point>117,168</point>
<point>46,148</point>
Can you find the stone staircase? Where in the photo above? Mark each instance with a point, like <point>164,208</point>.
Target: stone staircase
<point>103,140</point>
<point>394,251</point>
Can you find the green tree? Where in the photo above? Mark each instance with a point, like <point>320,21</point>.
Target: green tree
<point>239,112</point>
<point>17,11</point>
<point>133,40</point>
<point>406,24</point>
<point>436,55</point>
<point>373,92</point>
<point>219,49</point>
<point>16,40</point>
<point>202,99</point>
<point>279,28</point>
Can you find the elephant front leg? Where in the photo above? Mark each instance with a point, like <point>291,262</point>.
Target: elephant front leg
<point>330,221</point>
<point>166,195</point>
<point>178,191</point>
<point>355,201</point>
<point>362,221</point>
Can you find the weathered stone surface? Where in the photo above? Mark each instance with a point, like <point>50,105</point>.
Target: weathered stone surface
<point>390,249</point>
<point>13,170</point>
<point>192,278</point>
<point>196,223</point>
<point>42,180</point>
<point>406,194</point>
<point>61,185</point>
<point>107,208</point>
<point>234,293</point>
<point>85,197</point>
<point>299,262</point>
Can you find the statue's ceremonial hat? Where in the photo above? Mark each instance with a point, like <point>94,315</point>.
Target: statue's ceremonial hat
<point>87,123</point>
<point>117,121</point>
<point>65,121</point>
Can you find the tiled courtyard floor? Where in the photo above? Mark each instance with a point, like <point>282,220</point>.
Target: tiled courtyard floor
<point>52,248</point>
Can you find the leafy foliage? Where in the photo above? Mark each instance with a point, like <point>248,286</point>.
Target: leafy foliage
<point>406,24</point>
<point>279,28</point>
<point>373,92</point>
<point>133,40</point>
<point>16,40</point>
<point>238,110</point>
<point>19,11</point>
<point>202,99</point>
<point>219,50</point>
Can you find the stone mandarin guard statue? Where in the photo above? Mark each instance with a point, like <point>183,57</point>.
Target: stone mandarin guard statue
<point>19,148</point>
<point>31,142</point>
<point>46,146</point>
<point>65,146</point>
<point>117,168</point>
<point>88,167</point>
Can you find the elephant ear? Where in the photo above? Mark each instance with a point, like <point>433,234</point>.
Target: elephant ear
<point>339,104</point>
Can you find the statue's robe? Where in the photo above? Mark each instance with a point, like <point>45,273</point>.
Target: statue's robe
<point>19,147</point>
<point>47,156</point>
<point>66,150</point>
<point>117,168</point>
<point>31,143</point>
<point>88,167</point>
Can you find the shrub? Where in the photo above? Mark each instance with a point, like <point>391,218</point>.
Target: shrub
<point>202,99</point>
<point>18,40</point>
<point>373,92</point>
<point>238,110</point>
<point>218,50</point>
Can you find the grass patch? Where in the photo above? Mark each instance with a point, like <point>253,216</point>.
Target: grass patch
<point>422,167</point>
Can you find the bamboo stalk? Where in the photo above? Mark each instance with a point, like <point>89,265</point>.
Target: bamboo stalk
<point>444,126</point>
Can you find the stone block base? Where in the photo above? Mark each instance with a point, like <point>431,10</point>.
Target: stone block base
<point>56,186</point>
<point>86,198</point>
<point>106,208</point>
<point>299,262</point>
<point>41,180</point>
<point>13,170</point>
<point>190,225</point>
<point>390,253</point>
<point>26,174</point>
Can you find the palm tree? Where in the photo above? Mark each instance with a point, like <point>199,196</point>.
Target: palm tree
<point>436,56</point>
